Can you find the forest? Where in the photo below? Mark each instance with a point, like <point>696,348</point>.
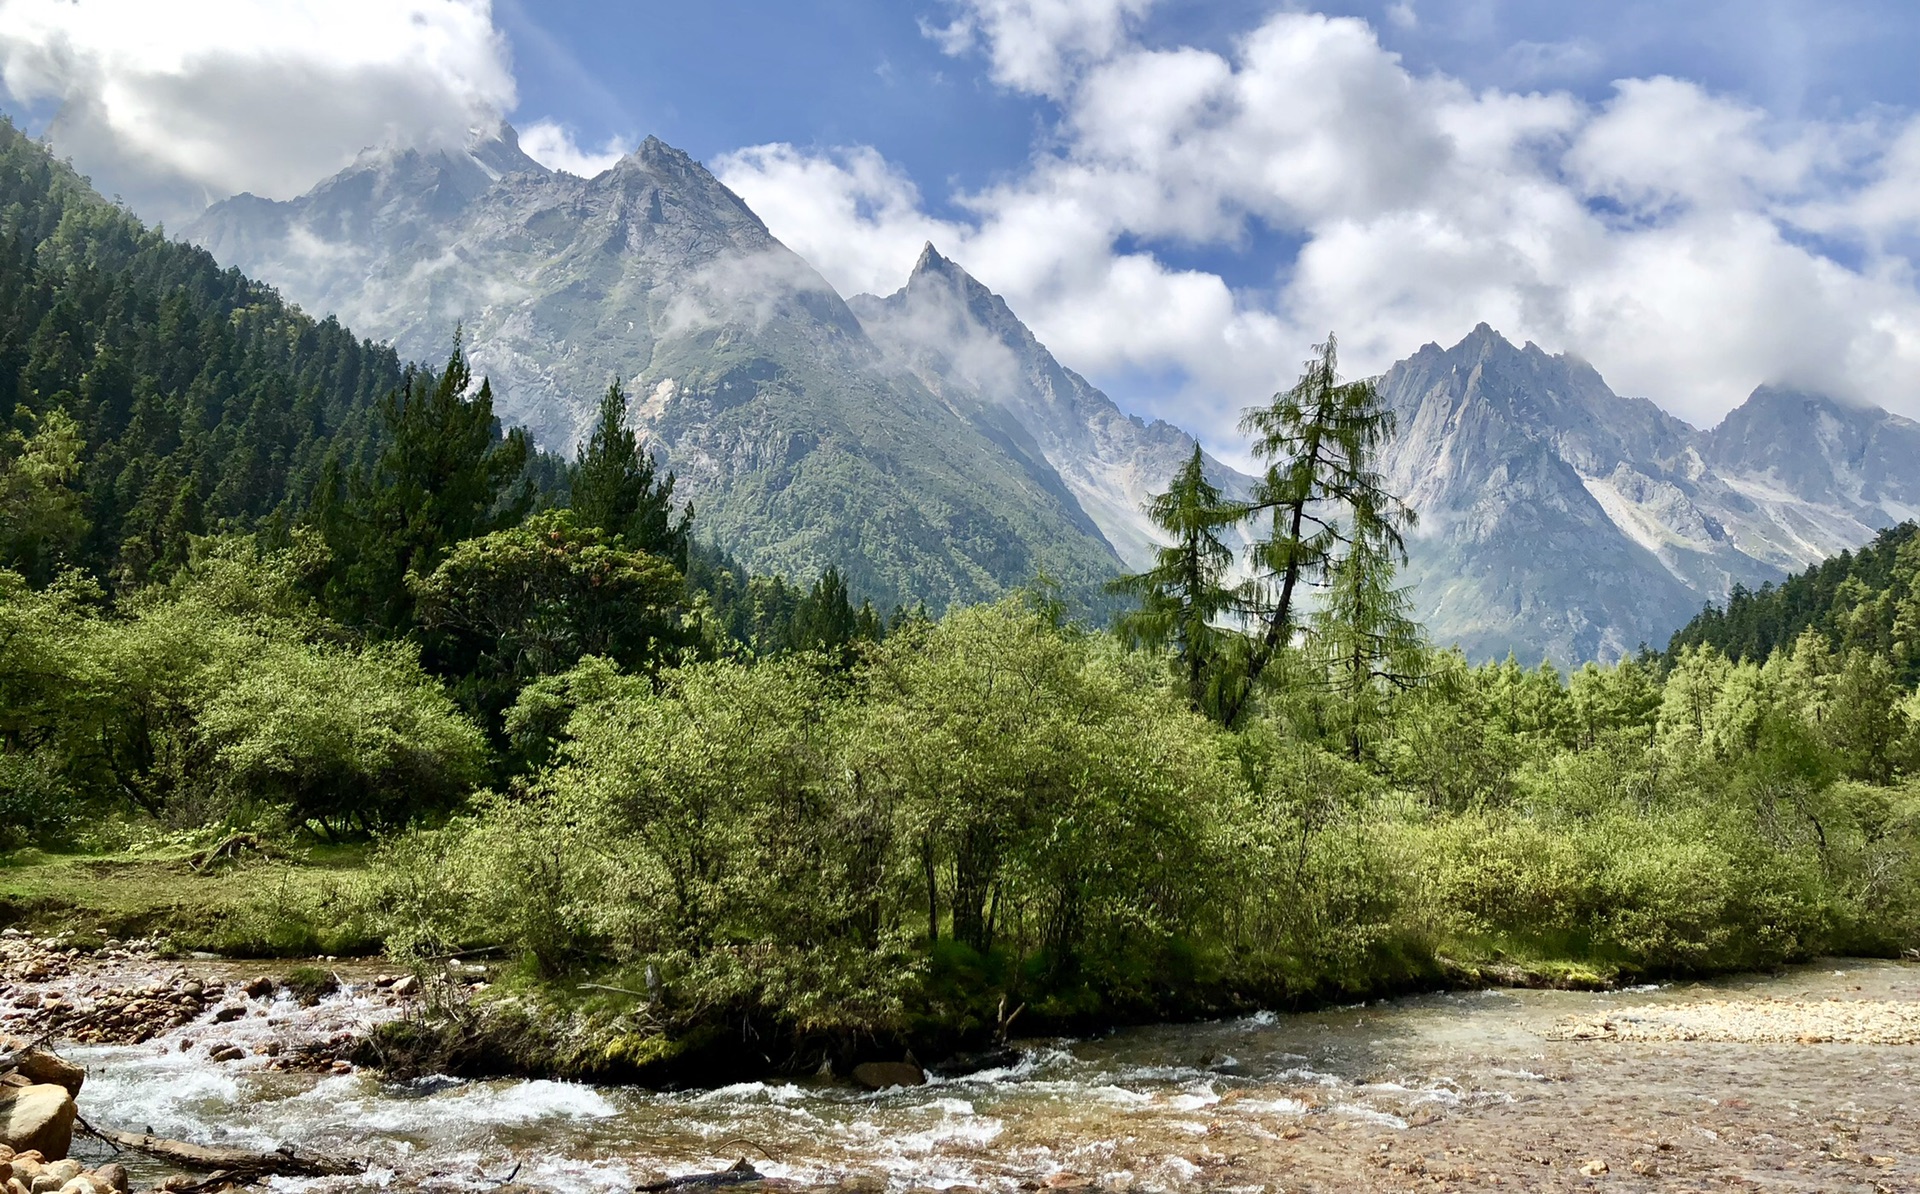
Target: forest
<point>258,577</point>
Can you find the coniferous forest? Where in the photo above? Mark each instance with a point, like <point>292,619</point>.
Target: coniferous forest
<point>264,579</point>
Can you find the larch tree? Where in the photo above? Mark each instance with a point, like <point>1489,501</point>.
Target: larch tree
<point>1321,495</point>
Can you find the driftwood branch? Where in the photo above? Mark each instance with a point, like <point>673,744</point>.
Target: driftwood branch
<point>230,1164</point>
<point>737,1174</point>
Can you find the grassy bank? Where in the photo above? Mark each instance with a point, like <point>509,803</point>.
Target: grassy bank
<point>295,903</point>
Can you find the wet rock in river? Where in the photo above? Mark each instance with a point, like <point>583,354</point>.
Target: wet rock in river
<point>972,1063</point>
<point>37,1118</point>
<point>879,1075</point>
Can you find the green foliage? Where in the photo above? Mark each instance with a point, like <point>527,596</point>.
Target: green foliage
<point>1186,590</point>
<point>156,395</point>
<point>1329,516</point>
<point>220,695</point>
<point>512,606</point>
<point>41,523</point>
<point>338,738</point>
<point>446,475</point>
<point>1866,600</point>
<point>613,487</point>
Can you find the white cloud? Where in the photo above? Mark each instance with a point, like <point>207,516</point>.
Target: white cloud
<point>176,104</point>
<point>552,145</point>
<point>1662,234</point>
<point>1035,45</point>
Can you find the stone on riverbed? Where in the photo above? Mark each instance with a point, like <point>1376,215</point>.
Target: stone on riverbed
<point>40,1067</point>
<point>37,1118</point>
<point>879,1075</point>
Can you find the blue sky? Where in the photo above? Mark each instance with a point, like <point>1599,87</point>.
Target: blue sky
<point>713,77</point>
<point>1178,197</point>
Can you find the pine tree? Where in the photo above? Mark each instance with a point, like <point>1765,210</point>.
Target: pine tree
<point>616,489</point>
<point>824,620</point>
<point>447,474</point>
<point>1320,494</point>
<point>1185,592</point>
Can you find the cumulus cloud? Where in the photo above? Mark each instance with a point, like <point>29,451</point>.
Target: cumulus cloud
<point>1035,45</point>
<point>1668,234</point>
<point>552,144</point>
<point>175,105</point>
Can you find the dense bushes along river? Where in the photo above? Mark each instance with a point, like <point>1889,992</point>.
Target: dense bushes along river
<point>909,841</point>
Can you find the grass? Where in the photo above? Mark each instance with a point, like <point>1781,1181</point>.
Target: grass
<point>294,904</point>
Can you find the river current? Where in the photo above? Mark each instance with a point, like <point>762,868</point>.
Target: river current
<point>1429,1092</point>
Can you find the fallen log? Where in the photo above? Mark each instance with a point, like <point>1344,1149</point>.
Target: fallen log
<point>237,1165</point>
<point>736,1174</point>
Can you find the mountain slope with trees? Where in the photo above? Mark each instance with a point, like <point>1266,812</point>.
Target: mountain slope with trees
<point>148,394</point>
<point>1858,600</point>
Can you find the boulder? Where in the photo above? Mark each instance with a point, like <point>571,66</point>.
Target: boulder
<point>41,1067</point>
<point>972,1063</point>
<point>879,1075</point>
<point>114,1175</point>
<point>37,1117</point>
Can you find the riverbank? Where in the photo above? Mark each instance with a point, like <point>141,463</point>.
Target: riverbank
<point>126,920</point>
<point>1460,1091</point>
<point>283,902</point>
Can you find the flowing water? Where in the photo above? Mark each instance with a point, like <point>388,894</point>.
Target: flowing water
<point>1429,1092</point>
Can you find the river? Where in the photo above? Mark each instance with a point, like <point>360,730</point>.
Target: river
<point>1445,1091</point>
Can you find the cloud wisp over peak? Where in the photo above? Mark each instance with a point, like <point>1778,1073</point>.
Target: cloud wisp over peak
<point>1689,243</point>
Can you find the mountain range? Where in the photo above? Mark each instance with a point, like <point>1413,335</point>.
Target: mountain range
<point>930,445</point>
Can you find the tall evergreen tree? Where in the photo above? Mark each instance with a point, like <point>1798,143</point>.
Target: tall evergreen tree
<point>1320,494</point>
<point>1186,591</point>
<point>1364,639</point>
<point>616,488</point>
<point>446,474</point>
<point>824,620</point>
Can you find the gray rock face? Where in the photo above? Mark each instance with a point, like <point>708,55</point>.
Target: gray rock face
<point>964,343</point>
<point>798,442</point>
<point>1560,519</point>
<point>933,448</point>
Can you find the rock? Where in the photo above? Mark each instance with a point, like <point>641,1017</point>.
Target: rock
<point>259,988</point>
<point>38,1118</point>
<point>114,1174</point>
<point>193,988</point>
<point>83,1184</point>
<point>43,1067</point>
<point>227,1053</point>
<point>1594,1168</point>
<point>229,1014</point>
<point>879,1075</point>
<point>406,986</point>
<point>973,1063</point>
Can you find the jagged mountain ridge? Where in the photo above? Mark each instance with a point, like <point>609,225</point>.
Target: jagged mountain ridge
<point>966,344</point>
<point>929,443</point>
<point>798,442</point>
<point>1561,517</point>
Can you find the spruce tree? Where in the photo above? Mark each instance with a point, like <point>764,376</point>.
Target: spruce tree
<point>447,474</point>
<point>616,487</point>
<point>1186,591</point>
<point>1364,639</point>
